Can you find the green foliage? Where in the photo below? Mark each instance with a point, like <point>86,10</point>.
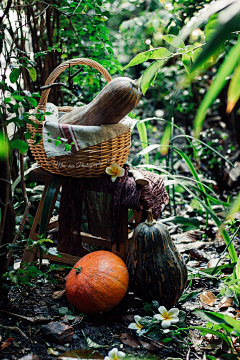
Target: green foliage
<point>224,326</point>
<point>143,137</point>
<point>225,70</point>
<point>160,53</point>
<point>4,146</point>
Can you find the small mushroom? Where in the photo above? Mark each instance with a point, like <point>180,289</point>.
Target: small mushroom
<point>139,178</point>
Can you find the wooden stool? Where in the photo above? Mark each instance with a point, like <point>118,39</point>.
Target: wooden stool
<point>31,253</point>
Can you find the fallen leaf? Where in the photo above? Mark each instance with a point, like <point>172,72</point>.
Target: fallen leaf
<point>194,245</point>
<point>213,262</point>
<point>208,298</point>
<point>196,339</point>
<point>128,318</point>
<point>7,343</point>
<point>130,340</point>
<point>51,351</point>
<point>93,345</point>
<point>225,302</point>
<point>197,254</point>
<point>82,354</point>
<point>58,332</point>
<point>208,337</point>
<point>58,294</point>
<point>215,344</point>
<point>149,346</point>
<point>219,236</point>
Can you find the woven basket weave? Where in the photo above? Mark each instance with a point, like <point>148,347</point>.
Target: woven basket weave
<point>89,162</point>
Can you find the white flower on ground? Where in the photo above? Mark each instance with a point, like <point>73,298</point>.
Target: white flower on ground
<point>114,354</point>
<point>115,171</point>
<point>167,317</point>
<point>137,325</point>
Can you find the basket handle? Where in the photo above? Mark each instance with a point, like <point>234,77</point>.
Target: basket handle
<point>56,72</point>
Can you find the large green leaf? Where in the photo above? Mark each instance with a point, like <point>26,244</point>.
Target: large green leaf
<point>32,72</point>
<point>186,62</point>
<point>32,101</point>
<point>195,175</point>
<point>233,90</point>
<point>189,296</point>
<point>225,321</point>
<point>159,53</point>
<point>203,15</point>
<point>216,269</point>
<point>52,187</point>
<point>214,332</point>
<point>149,74</point>
<point>15,75</point>
<point>211,198</point>
<point>217,85</point>
<point>235,207</point>
<point>182,220</point>
<point>206,145</point>
<point>4,146</point>
<point>223,30</point>
<point>166,138</point>
<point>21,145</point>
<point>174,40</point>
<point>143,137</point>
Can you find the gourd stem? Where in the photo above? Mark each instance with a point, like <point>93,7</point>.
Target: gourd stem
<point>78,270</point>
<point>135,84</point>
<point>150,221</point>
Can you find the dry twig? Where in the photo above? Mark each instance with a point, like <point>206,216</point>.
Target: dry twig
<point>33,320</point>
<point>17,330</point>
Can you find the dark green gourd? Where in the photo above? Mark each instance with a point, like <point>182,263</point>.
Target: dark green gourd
<point>156,269</point>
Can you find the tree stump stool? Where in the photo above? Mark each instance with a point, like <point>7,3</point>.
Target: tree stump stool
<point>31,253</point>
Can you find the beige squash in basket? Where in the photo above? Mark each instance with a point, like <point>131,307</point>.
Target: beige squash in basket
<point>91,161</point>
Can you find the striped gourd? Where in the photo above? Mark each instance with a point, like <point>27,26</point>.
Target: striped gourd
<point>117,99</point>
<point>156,269</point>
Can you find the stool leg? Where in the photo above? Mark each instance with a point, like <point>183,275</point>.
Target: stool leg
<point>29,253</point>
<point>123,246</point>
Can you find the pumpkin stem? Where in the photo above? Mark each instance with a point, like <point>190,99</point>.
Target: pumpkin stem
<point>150,221</point>
<point>78,270</point>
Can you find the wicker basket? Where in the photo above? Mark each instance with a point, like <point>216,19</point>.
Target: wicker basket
<point>89,162</point>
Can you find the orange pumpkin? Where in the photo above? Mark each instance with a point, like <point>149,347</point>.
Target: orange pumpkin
<point>97,282</point>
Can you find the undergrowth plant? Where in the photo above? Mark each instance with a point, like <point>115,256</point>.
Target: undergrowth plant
<point>223,21</point>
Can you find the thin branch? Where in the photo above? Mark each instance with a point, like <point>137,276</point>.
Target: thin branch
<point>22,25</point>
<point>17,330</point>
<point>79,41</point>
<point>49,5</point>
<point>7,8</point>
<point>33,320</point>
<point>77,6</point>
<point>24,218</point>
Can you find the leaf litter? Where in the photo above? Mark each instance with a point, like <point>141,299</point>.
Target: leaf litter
<point>45,302</point>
